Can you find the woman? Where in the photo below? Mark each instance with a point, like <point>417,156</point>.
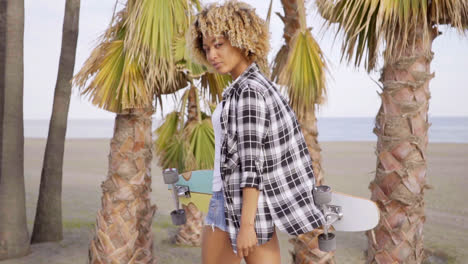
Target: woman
<point>263,175</point>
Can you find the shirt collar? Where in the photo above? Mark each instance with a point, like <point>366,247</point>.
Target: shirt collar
<point>253,67</point>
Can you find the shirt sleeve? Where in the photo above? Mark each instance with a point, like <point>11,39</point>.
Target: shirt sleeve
<point>253,122</point>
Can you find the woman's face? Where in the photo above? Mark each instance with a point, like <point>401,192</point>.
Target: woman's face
<point>224,57</point>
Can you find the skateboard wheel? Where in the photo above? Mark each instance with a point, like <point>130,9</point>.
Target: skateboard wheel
<point>178,217</point>
<point>327,242</point>
<point>170,176</point>
<point>322,194</point>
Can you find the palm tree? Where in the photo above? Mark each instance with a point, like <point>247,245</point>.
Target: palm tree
<point>14,237</point>
<point>406,30</point>
<point>300,67</point>
<point>133,64</point>
<point>48,222</point>
<point>186,138</point>
<point>187,144</point>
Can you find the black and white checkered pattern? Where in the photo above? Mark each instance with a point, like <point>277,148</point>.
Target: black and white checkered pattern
<point>264,148</point>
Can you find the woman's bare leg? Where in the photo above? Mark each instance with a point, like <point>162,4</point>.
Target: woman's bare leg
<point>216,247</point>
<point>268,253</point>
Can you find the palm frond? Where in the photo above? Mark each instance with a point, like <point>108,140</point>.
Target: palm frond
<point>357,19</point>
<point>116,28</point>
<point>304,73</point>
<point>183,105</point>
<point>152,27</point>
<point>189,147</point>
<point>269,13</point>
<point>300,67</point>
<point>279,62</point>
<point>197,100</point>
<point>172,147</point>
<point>202,144</point>
<point>215,83</point>
<point>117,81</point>
<point>181,81</point>
<point>451,12</point>
<point>370,25</point>
<point>166,131</point>
<point>196,133</point>
<point>113,80</point>
<point>183,60</point>
<point>177,154</point>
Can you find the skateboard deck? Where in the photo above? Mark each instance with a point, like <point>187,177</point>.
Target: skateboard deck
<point>359,214</point>
<point>199,183</point>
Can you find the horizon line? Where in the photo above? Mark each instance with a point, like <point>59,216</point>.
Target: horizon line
<point>79,119</point>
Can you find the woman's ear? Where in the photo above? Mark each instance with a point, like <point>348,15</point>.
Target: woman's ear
<point>247,55</point>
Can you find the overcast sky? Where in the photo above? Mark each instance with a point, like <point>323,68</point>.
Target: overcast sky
<point>351,92</point>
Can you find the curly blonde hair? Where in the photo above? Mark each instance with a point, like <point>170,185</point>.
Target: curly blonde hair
<point>238,23</point>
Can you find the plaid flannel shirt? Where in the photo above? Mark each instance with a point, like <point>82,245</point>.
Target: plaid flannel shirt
<point>264,148</point>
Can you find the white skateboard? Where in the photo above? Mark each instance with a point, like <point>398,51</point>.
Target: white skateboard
<point>342,211</point>
<point>345,213</point>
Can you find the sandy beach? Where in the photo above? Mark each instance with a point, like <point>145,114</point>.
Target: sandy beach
<point>348,168</point>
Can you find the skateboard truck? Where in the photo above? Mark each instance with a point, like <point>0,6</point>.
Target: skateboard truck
<point>171,176</point>
<point>332,213</point>
<point>183,190</point>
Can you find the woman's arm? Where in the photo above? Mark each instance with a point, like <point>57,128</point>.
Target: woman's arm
<point>252,125</point>
<point>247,238</point>
<point>249,206</point>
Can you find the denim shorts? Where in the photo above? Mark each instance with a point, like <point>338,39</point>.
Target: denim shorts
<point>215,216</point>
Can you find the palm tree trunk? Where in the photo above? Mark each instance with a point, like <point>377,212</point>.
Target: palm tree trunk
<point>291,25</point>
<point>290,19</point>
<point>310,131</point>
<point>309,120</point>
<point>190,233</point>
<point>48,222</point>
<point>401,127</point>
<point>305,246</point>
<point>192,105</point>
<point>14,237</point>
<point>123,225</point>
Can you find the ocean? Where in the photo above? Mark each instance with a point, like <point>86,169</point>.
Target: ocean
<point>443,129</point>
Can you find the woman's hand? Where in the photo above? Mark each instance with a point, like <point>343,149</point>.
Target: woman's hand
<point>246,240</point>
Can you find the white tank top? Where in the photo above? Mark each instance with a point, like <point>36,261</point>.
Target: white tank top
<point>216,120</point>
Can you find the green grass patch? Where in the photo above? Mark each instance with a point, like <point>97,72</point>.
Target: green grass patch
<point>163,222</point>
<point>74,224</point>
